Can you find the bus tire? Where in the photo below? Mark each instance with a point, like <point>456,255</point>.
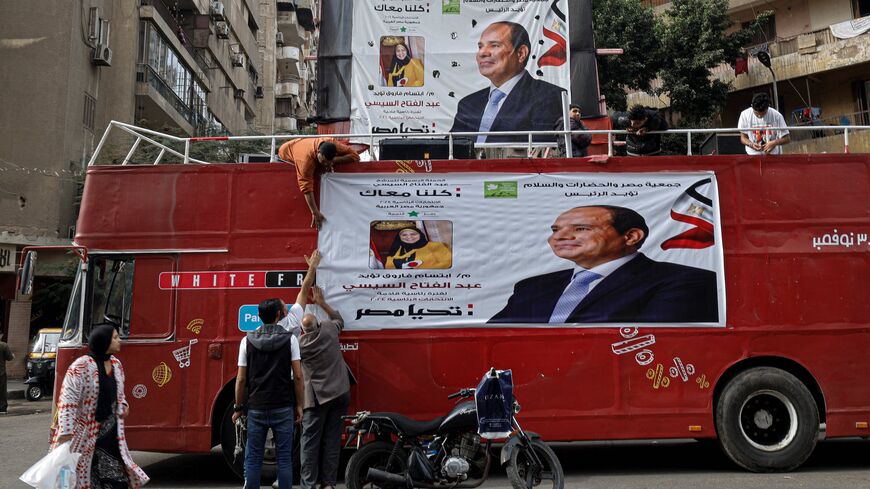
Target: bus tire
<point>228,444</point>
<point>767,420</point>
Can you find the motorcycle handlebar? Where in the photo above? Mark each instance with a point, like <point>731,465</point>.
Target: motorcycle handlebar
<point>462,393</point>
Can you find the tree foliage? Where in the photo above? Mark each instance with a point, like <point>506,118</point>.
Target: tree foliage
<point>680,47</point>
<point>695,38</point>
<point>629,25</point>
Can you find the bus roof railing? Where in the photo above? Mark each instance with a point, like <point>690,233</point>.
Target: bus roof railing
<point>148,136</point>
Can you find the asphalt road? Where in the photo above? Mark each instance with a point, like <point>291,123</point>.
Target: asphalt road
<point>668,465</point>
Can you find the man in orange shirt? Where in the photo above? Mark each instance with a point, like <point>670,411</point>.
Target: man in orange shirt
<point>306,154</point>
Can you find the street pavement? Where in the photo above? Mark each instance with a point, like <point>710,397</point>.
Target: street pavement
<point>666,465</point>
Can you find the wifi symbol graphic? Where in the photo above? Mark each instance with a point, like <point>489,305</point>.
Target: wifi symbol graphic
<point>195,325</point>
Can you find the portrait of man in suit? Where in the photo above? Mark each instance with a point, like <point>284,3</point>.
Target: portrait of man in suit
<point>611,281</point>
<point>513,101</point>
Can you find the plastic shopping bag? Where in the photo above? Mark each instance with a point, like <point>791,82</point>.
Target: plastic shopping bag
<point>57,470</point>
<point>494,399</point>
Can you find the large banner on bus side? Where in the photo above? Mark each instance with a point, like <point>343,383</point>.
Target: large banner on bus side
<point>422,66</point>
<point>540,250</point>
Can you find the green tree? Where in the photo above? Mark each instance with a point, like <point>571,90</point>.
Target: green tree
<point>695,38</point>
<point>629,25</point>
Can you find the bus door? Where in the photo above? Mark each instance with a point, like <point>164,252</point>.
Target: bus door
<point>122,291</point>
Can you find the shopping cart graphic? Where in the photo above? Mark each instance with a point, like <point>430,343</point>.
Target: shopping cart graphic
<point>182,355</point>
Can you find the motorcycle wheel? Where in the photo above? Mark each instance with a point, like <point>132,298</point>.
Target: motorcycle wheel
<point>33,392</point>
<point>522,474</point>
<point>374,455</point>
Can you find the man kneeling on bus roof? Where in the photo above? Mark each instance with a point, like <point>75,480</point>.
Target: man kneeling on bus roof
<point>306,154</point>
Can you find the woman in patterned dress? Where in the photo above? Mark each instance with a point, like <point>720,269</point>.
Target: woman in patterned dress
<point>91,413</point>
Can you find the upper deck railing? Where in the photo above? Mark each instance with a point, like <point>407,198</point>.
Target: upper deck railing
<point>149,136</point>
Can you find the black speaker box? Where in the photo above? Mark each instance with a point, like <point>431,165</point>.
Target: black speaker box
<point>425,149</point>
<point>723,144</point>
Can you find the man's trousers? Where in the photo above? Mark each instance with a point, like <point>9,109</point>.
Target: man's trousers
<point>321,442</point>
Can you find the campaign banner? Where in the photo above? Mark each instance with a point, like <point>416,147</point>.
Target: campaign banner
<point>423,66</point>
<point>532,250</point>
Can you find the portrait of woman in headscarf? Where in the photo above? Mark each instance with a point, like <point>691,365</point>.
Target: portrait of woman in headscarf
<point>405,70</point>
<point>411,249</point>
<point>91,412</point>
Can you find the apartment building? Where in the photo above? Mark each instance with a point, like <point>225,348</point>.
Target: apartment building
<point>295,92</point>
<point>194,67</point>
<point>822,73</point>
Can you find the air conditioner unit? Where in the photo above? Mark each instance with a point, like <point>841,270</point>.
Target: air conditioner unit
<point>240,93</point>
<point>279,38</point>
<point>238,60</point>
<point>223,30</point>
<point>259,93</point>
<point>102,55</point>
<point>217,10</point>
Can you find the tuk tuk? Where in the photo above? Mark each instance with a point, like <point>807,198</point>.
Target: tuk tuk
<point>41,359</point>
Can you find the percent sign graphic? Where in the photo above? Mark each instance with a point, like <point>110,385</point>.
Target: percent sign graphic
<point>702,381</point>
<point>680,370</point>
<point>657,375</point>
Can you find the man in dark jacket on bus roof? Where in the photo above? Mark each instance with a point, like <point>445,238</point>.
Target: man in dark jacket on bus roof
<point>638,122</point>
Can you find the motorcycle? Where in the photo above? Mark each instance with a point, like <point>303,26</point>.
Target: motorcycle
<point>445,452</point>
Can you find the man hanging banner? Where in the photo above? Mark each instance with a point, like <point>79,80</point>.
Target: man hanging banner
<point>421,66</point>
<point>505,250</point>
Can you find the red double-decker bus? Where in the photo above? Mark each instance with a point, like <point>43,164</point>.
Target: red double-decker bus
<point>177,255</point>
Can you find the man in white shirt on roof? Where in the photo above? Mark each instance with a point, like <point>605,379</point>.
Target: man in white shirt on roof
<point>759,119</point>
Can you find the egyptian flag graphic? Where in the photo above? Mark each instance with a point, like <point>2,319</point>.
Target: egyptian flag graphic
<point>375,260</point>
<point>694,208</point>
<point>555,29</point>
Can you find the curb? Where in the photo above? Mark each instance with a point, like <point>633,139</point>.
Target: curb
<point>15,389</point>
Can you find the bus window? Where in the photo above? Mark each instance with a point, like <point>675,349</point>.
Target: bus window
<point>124,293</point>
<point>112,293</point>
<point>72,322</point>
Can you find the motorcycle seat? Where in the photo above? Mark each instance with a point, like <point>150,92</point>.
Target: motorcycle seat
<point>411,427</point>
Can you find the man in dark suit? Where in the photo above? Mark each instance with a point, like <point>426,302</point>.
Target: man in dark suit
<point>327,396</point>
<point>612,282</point>
<point>514,101</point>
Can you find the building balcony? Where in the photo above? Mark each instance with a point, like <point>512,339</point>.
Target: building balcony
<point>160,105</point>
<point>288,70</point>
<point>294,34</point>
<point>288,53</point>
<point>286,89</point>
<point>798,56</point>
<point>285,124</point>
<point>732,4</point>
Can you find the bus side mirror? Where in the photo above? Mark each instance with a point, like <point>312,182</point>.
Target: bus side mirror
<point>25,274</point>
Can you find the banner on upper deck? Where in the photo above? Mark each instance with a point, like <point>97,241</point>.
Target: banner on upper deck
<point>417,66</point>
<point>499,250</point>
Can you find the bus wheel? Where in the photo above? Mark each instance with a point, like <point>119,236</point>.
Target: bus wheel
<point>237,464</point>
<point>228,444</point>
<point>767,420</point>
